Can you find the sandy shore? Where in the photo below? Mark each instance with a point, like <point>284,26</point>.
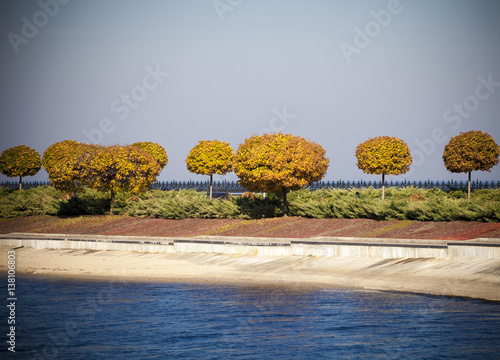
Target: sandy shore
<point>476,278</point>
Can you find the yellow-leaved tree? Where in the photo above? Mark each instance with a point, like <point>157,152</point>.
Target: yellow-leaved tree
<point>117,168</point>
<point>279,163</point>
<point>470,151</point>
<point>383,155</point>
<point>20,161</point>
<point>157,151</point>
<point>210,157</point>
<point>59,160</point>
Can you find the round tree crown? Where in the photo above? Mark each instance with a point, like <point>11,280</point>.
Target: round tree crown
<point>383,155</point>
<point>210,157</point>
<point>20,161</point>
<point>471,151</point>
<point>279,162</point>
<point>60,159</point>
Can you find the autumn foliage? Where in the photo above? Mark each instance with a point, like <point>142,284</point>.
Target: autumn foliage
<point>59,160</point>
<point>20,161</point>
<point>74,166</point>
<point>278,163</point>
<point>383,155</point>
<point>210,157</point>
<point>117,168</point>
<point>271,163</point>
<point>470,151</point>
<point>155,150</point>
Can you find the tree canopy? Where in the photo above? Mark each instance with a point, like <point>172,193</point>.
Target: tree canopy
<point>210,157</point>
<point>117,168</point>
<point>155,150</point>
<point>60,160</point>
<point>470,151</point>
<point>278,163</point>
<point>74,166</point>
<point>20,161</point>
<point>383,155</point>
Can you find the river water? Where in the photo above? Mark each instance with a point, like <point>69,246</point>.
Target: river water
<point>79,319</point>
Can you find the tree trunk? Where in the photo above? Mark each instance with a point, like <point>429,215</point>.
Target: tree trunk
<point>20,182</point>
<point>211,181</point>
<point>468,187</point>
<point>285,203</point>
<point>383,186</point>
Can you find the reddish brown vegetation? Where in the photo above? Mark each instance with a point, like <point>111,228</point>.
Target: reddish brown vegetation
<point>288,227</point>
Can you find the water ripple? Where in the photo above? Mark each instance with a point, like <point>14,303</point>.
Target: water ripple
<point>69,319</point>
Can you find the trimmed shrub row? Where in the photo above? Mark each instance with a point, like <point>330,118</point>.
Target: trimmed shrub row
<point>402,204</point>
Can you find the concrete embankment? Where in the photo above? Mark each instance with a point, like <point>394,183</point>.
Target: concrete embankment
<point>468,268</point>
<point>318,246</point>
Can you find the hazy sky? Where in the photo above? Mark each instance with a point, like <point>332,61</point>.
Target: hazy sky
<point>179,71</point>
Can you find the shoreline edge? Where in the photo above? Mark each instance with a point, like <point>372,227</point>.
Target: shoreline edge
<point>466,269</point>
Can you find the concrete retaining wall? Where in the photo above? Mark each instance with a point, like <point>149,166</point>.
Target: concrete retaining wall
<point>389,251</point>
<point>199,246</point>
<point>474,250</point>
<point>266,247</point>
<point>89,245</point>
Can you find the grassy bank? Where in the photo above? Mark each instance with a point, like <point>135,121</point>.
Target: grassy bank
<point>401,204</point>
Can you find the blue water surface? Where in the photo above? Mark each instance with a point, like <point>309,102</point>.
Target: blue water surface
<point>78,319</point>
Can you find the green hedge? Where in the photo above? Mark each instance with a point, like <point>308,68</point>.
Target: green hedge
<point>43,200</point>
<point>174,204</point>
<point>403,204</point>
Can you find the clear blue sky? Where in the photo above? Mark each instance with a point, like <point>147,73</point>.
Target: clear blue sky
<point>179,71</point>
